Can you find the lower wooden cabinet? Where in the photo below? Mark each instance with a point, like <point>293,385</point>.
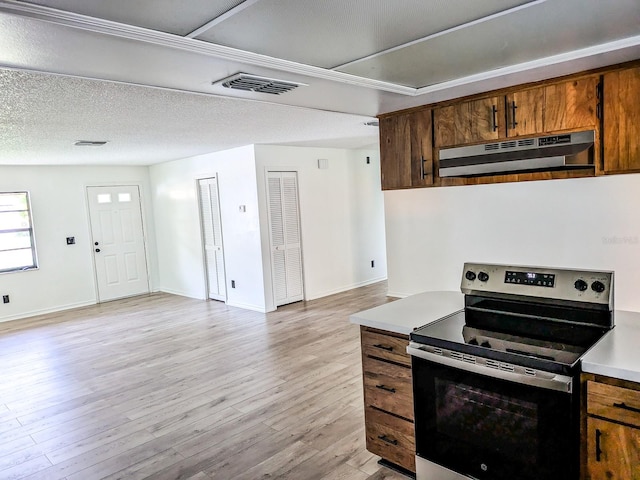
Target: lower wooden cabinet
<point>388,396</point>
<point>612,429</point>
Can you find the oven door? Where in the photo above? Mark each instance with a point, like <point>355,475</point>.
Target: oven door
<point>493,428</point>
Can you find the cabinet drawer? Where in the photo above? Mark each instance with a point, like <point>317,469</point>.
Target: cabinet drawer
<point>616,403</point>
<point>390,437</point>
<point>613,451</point>
<point>388,387</point>
<point>385,346</point>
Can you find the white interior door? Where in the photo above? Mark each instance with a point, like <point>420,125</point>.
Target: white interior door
<point>286,251</point>
<point>118,241</point>
<point>212,238</point>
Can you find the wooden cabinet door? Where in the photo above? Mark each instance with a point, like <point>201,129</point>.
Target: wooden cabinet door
<point>571,105</point>
<point>621,139</point>
<point>525,112</point>
<point>406,154</point>
<point>613,451</point>
<point>470,122</point>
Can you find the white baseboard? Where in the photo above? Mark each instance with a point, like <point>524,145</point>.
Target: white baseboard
<point>255,308</point>
<point>180,293</point>
<point>314,296</point>
<point>44,311</point>
<point>398,295</point>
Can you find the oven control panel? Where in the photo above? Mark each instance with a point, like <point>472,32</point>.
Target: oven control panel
<point>553,283</point>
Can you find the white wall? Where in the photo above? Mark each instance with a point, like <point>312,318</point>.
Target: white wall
<point>590,223</point>
<point>342,216</point>
<point>175,200</point>
<point>65,278</point>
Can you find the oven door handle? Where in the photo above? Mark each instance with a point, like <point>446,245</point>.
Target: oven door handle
<point>559,383</point>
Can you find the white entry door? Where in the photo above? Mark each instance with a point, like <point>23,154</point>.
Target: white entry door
<point>286,251</point>
<point>212,238</point>
<point>118,241</point>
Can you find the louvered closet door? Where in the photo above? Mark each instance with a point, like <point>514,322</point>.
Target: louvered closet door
<point>212,237</point>
<point>286,251</point>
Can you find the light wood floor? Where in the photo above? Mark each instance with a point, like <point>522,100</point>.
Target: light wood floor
<point>166,387</point>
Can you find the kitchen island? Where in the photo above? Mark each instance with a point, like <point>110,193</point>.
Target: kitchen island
<point>611,374</point>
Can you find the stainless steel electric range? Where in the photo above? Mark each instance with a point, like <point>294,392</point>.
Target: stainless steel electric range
<point>496,386</point>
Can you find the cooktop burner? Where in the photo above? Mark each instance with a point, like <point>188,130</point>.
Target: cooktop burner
<point>540,318</point>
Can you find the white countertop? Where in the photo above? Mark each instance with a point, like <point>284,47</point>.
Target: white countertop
<point>407,314</point>
<point>617,354</point>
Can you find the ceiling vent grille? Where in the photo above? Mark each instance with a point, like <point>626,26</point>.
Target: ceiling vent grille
<point>253,83</point>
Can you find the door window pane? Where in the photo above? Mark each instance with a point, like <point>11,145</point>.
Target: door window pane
<point>104,198</point>
<point>124,197</point>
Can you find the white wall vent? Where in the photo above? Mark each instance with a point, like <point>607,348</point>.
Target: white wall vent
<point>253,83</point>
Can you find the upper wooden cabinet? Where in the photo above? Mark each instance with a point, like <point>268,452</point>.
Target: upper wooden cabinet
<point>469,122</point>
<point>406,150</point>
<point>569,105</point>
<point>621,138</point>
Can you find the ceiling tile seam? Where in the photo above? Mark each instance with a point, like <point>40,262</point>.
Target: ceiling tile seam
<point>573,55</point>
<point>107,27</point>
<point>441,33</point>
<point>191,92</point>
<point>221,18</point>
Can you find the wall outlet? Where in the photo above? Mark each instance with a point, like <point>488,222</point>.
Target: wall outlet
<point>373,264</point>
<point>233,284</point>
<point>5,299</point>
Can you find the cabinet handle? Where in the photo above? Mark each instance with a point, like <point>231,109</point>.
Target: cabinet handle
<point>386,389</point>
<point>494,112</point>
<point>598,449</point>
<point>513,114</point>
<point>624,406</point>
<point>598,110</point>
<point>422,174</point>
<point>383,347</point>
<point>390,441</point>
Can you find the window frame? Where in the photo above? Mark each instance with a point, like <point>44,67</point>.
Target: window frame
<point>30,230</point>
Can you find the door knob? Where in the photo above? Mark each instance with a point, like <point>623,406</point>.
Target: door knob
<point>96,243</point>
<point>97,250</point>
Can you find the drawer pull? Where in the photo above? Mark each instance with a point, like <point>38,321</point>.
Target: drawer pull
<point>624,406</point>
<point>386,389</point>
<point>598,449</point>
<point>390,441</point>
<point>383,347</point>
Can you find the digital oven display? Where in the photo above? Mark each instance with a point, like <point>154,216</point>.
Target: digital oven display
<point>530,278</point>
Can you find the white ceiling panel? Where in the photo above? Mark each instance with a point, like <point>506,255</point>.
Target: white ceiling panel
<point>330,33</point>
<point>173,16</point>
<point>546,29</point>
<point>42,116</point>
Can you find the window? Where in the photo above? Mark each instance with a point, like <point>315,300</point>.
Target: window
<point>17,246</point>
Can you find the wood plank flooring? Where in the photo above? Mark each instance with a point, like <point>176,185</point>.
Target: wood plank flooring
<point>166,387</point>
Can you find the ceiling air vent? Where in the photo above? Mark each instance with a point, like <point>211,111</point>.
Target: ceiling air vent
<point>252,83</point>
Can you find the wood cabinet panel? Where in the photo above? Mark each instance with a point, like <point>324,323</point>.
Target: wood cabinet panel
<point>525,112</point>
<point>613,451</point>
<point>571,105</point>
<point>388,387</point>
<point>621,124</point>
<point>386,347</point>
<point>406,154</point>
<point>469,122</point>
<point>613,402</point>
<point>390,437</point>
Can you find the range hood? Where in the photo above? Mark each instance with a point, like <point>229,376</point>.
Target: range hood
<point>570,150</point>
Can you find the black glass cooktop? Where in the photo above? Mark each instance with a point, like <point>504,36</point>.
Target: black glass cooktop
<point>544,345</point>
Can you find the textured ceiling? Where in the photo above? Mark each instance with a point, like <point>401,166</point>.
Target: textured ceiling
<point>49,113</point>
<point>142,73</point>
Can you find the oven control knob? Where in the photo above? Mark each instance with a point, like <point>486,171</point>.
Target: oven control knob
<point>581,285</point>
<point>485,344</point>
<point>483,277</point>
<point>470,275</point>
<point>597,286</point>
